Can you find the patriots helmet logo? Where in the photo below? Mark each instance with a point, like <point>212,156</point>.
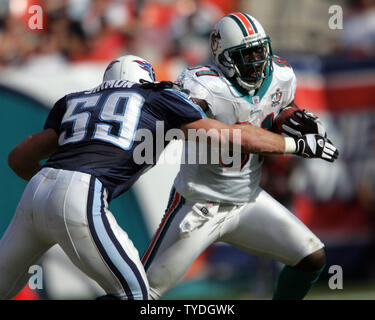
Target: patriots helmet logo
<point>147,67</point>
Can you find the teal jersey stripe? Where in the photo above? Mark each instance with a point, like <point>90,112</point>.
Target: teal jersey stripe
<point>261,91</point>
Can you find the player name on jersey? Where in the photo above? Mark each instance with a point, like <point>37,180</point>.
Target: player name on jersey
<point>110,85</point>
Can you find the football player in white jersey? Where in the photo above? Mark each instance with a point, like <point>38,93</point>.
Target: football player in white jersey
<point>216,202</point>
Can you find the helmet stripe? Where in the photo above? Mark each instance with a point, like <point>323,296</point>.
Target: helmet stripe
<point>251,21</point>
<point>249,29</point>
<point>239,23</point>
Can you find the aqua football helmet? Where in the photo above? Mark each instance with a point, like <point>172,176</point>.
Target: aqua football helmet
<point>242,50</point>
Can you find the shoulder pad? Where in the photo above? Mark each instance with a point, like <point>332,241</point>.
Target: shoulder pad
<point>203,78</point>
<point>282,70</point>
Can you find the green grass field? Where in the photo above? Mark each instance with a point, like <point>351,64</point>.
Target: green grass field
<point>353,290</point>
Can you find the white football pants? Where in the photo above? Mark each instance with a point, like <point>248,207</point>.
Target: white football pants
<point>262,227</point>
<point>69,209</point>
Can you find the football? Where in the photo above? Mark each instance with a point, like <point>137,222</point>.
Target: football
<point>282,117</point>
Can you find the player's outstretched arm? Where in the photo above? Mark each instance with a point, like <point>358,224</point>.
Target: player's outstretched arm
<point>307,146</point>
<point>261,141</point>
<point>25,158</point>
<point>251,139</point>
<point>257,140</point>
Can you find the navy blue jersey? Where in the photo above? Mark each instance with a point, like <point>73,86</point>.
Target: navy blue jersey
<point>99,129</point>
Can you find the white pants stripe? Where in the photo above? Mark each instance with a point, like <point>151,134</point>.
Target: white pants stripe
<point>69,209</point>
<point>113,253</point>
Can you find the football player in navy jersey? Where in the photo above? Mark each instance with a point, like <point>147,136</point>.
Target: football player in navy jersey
<point>89,139</point>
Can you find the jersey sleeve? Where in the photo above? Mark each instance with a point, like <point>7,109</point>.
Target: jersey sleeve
<point>284,73</point>
<point>206,82</point>
<point>178,108</point>
<point>189,81</point>
<point>292,88</point>
<point>55,115</point>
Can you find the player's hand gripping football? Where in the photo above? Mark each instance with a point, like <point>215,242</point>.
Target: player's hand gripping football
<point>315,146</point>
<point>303,122</point>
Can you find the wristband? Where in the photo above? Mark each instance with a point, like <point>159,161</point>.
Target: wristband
<point>290,145</point>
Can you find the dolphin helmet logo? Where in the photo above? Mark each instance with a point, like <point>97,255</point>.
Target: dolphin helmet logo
<point>215,38</point>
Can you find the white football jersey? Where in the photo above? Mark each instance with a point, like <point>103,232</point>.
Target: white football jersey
<point>217,182</point>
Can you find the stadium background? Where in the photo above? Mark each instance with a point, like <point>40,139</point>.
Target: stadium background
<point>336,79</point>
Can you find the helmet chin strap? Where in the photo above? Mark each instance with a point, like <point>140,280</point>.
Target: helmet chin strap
<point>233,74</point>
<point>249,87</point>
<point>246,85</point>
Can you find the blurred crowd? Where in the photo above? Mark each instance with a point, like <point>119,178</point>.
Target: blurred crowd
<point>169,33</point>
<point>358,36</point>
<point>166,32</point>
